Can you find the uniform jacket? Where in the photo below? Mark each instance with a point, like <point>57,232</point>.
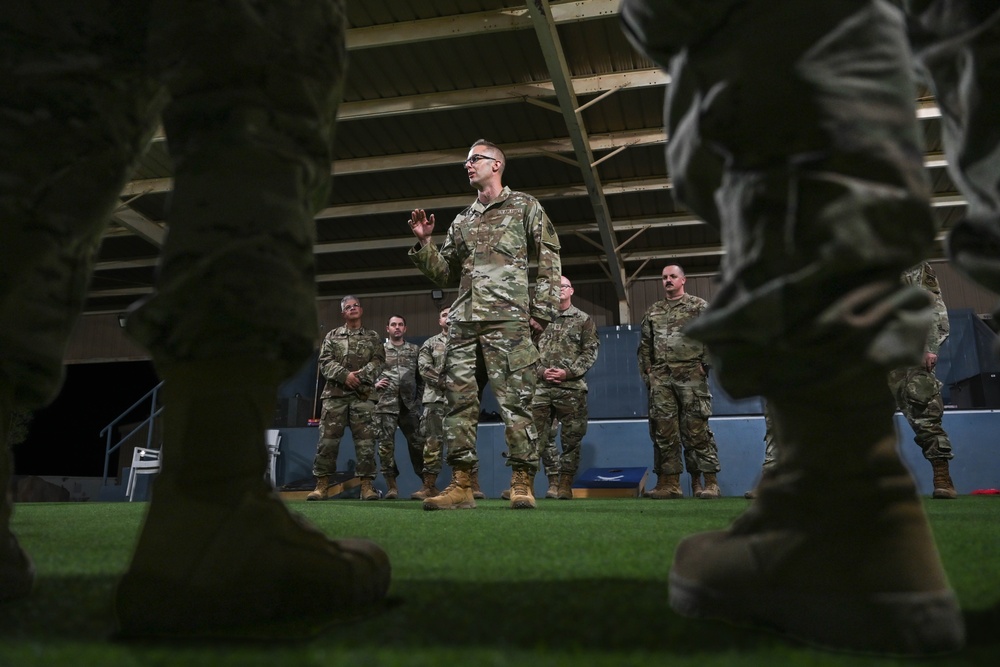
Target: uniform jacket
<point>345,350</point>
<point>430,363</point>
<point>923,276</point>
<point>661,342</point>
<point>486,253</point>
<point>404,380</point>
<point>569,343</point>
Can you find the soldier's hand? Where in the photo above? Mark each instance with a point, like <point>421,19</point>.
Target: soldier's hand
<point>352,381</point>
<point>930,361</point>
<point>422,225</point>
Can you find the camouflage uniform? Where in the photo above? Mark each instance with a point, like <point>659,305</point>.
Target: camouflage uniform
<point>399,405</point>
<point>344,351</point>
<point>83,85</point>
<point>673,366</point>
<point>916,389</point>
<point>569,343</point>
<point>430,363</point>
<point>485,254</point>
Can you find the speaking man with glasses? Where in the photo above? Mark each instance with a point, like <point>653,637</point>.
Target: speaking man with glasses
<point>486,253</point>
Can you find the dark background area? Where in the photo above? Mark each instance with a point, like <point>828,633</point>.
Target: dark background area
<point>65,437</point>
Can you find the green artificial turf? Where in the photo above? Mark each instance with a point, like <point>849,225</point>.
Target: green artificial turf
<point>572,583</point>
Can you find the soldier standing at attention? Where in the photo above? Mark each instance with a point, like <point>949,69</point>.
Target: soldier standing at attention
<point>486,253</point>
<point>568,348</point>
<point>399,390</point>
<point>350,359</point>
<point>674,368</point>
<point>918,391</point>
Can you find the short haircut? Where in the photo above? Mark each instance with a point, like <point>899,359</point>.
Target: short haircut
<point>349,297</point>
<point>490,144</point>
<point>392,316</point>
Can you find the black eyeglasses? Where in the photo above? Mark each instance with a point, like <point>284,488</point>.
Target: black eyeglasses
<point>476,157</point>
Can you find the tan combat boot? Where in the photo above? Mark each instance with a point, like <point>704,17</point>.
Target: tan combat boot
<point>17,572</point>
<point>219,553</point>
<point>322,486</point>
<point>667,487</point>
<point>861,573</point>
<point>428,490</point>
<point>943,486</point>
<point>505,494</point>
<point>477,492</point>
<point>456,496</point>
<point>564,490</point>
<point>711,489</point>
<point>553,490</point>
<point>368,490</point>
<point>522,496</point>
<point>696,486</point>
<point>392,492</point>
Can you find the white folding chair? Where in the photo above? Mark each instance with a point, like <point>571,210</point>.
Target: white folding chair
<point>144,462</point>
<point>273,452</point>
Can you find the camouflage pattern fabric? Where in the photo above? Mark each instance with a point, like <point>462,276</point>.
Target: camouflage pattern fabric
<point>770,449</point>
<point>820,210</point>
<point>345,351</point>
<point>83,85</point>
<point>917,390</point>
<point>569,343</point>
<point>503,351</point>
<point>431,366</point>
<point>399,406</point>
<point>339,412</point>
<point>548,457</point>
<point>486,254</point>
<point>673,367</point>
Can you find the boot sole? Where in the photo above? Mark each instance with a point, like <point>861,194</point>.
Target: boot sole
<point>459,506</point>
<point>902,624</point>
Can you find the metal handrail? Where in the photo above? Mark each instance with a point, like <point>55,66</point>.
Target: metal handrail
<point>108,430</point>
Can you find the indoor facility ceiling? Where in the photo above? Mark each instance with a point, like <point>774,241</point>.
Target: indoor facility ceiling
<point>577,110</point>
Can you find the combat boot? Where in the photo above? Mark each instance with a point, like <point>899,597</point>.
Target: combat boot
<point>667,487</point>
<point>696,487</point>
<point>322,487</point>
<point>393,491</point>
<point>553,490</point>
<point>791,561</point>
<point>943,486</point>
<point>505,494</point>
<point>522,495</point>
<point>368,490</point>
<point>711,489</point>
<point>219,554</point>
<point>428,490</point>
<point>477,492</point>
<point>456,496</point>
<point>17,572</point>
<point>564,490</point>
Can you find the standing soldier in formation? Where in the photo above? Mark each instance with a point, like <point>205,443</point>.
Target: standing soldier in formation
<point>430,364</point>
<point>568,348</point>
<point>675,370</point>
<point>918,391</point>
<point>486,253</point>
<point>350,359</point>
<point>399,391</point>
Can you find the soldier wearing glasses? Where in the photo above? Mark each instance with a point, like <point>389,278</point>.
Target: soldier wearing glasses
<point>486,253</point>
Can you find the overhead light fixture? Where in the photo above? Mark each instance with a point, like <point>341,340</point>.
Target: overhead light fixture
<point>437,294</point>
<point>122,319</point>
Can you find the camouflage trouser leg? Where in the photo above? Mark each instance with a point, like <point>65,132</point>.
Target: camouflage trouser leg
<point>432,429</point>
<point>76,110</point>
<point>385,435</point>
<point>338,413</point>
<point>409,424</point>
<point>547,428</point>
<point>820,210</point>
<point>664,429</point>
<point>506,351</point>
<point>770,449</point>
<point>569,408</point>
<point>957,44</point>
<point>237,271</point>
<point>918,396</point>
